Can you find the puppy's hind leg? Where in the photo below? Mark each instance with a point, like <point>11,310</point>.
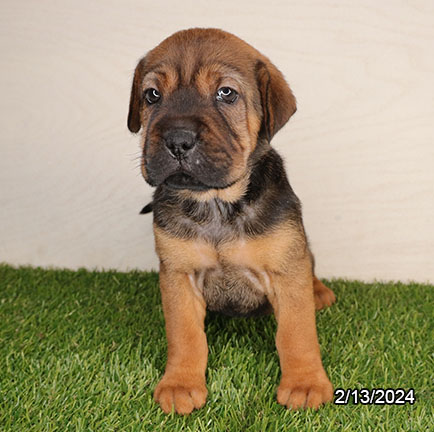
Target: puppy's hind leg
<point>324,296</point>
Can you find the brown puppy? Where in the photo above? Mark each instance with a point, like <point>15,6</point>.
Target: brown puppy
<point>228,227</point>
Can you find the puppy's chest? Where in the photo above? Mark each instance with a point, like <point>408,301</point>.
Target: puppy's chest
<point>229,256</point>
<point>233,290</point>
<point>234,278</point>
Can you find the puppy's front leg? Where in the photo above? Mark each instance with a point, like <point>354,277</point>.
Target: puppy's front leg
<point>183,384</point>
<point>304,382</point>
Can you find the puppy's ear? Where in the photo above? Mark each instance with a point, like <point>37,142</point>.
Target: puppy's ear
<point>134,123</point>
<point>278,102</point>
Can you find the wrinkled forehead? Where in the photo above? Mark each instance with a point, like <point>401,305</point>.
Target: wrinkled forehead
<point>206,78</point>
<point>207,65</point>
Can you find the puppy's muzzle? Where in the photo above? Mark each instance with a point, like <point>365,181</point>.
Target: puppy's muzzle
<point>180,142</point>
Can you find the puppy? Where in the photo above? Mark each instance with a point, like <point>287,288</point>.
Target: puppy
<point>228,227</point>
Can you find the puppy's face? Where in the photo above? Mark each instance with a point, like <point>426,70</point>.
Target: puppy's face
<point>202,98</point>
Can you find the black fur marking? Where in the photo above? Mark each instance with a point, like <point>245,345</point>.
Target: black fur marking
<point>268,201</point>
<point>232,309</point>
<point>147,208</point>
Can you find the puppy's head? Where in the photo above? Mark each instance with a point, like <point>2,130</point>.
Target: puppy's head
<point>204,99</point>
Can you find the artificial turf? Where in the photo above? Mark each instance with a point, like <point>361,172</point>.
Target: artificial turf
<point>83,351</point>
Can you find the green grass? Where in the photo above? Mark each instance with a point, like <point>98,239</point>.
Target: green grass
<point>83,351</point>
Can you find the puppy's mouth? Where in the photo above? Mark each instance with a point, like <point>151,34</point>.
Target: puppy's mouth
<point>181,180</point>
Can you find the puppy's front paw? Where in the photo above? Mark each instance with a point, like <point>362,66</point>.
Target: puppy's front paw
<point>184,394</point>
<point>307,392</point>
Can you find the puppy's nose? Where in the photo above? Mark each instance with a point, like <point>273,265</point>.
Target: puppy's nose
<point>180,141</point>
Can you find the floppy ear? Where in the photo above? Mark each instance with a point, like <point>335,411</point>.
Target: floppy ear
<point>134,123</point>
<point>278,102</point>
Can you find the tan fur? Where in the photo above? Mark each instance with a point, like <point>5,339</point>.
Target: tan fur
<point>271,252</point>
<point>206,82</point>
<point>304,382</point>
<point>253,123</point>
<point>230,194</point>
<point>164,79</point>
<point>182,255</point>
<point>324,296</point>
<point>183,385</point>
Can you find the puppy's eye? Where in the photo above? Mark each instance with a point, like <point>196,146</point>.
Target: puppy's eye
<point>152,96</point>
<point>226,94</point>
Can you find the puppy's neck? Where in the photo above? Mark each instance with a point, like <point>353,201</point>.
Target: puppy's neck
<point>231,194</point>
<point>257,203</point>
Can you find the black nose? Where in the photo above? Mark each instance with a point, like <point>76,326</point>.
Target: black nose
<point>180,141</point>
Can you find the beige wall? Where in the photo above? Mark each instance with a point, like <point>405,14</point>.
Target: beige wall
<point>360,150</point>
